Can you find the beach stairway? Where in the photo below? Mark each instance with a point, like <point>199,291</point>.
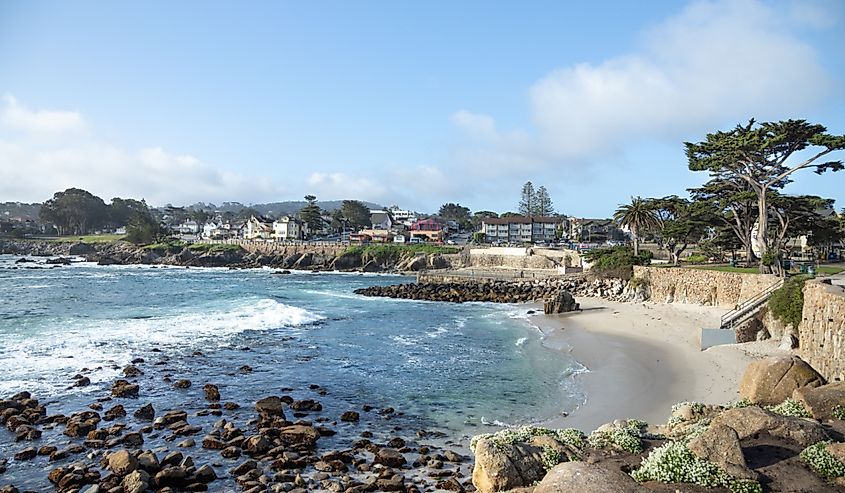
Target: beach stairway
<point>726,333</point>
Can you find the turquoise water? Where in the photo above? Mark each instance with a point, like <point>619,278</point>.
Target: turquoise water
<point>451,367</point>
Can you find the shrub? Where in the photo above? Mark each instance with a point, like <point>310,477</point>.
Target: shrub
<point>790,407</point>
<point>696,259</point>
<point>823,462</point>
<point>616,262</point>
<point>510,436</point>
<point>169,245</point>
<point>787,302</point>
<point>627,438</point>
<point>674,463</point>
<point>838,413</point>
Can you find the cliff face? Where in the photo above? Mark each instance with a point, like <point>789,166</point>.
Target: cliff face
<point>821,334</point>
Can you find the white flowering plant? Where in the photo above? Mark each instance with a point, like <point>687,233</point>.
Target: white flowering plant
<point>823,462</point>
<point>674,463</point>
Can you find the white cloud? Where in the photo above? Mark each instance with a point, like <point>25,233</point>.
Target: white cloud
<point>715,63</point>
<point>33,168</point>
<point>17,116</point>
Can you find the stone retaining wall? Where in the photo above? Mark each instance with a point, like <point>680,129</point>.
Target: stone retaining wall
<point>702,287</point>
<point>821,333</point>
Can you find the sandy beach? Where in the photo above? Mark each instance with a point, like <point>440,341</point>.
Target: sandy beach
<point>643,358</point>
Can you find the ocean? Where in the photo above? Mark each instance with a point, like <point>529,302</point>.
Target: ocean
<point>459,369</point>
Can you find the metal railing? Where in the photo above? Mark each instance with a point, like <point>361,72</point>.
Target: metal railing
<point>748,308</point>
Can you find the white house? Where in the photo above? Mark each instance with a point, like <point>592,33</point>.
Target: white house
<point>287,228</point>
<point>258,229</point>
<point>189,227</point>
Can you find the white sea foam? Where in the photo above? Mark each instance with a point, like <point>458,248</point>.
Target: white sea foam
<point>521,341</point>
<point>403,340</point>
<point>50,355</point>
<point>495,422</point>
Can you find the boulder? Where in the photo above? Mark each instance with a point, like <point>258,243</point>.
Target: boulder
<point>350,416</point>
<point>270,406</point>
<point>390,458</point>
<point>720,445</point>
<point>298,435</point>
<point>82,249</point>
<point>563,302</point>
<point>136,482</point>
<point>753,420</point>
<point>122,388</point>
<point>582,477</point>
<point>145,413</point>
<point>770,381</point>
<point>821,401</point>
<point>122,462</point>
<point>212,392</point>
<point>507,467</point>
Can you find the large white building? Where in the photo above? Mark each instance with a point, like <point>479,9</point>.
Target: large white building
<point>521,229</point>
<point>287,228</point>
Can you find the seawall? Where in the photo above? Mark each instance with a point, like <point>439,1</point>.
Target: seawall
<point>821,334</point>
<point>701,287</point>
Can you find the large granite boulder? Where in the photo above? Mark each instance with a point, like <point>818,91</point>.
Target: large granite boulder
<point>821,401</point>
<point>504,467</point>
<point>770,381</point>
<point>720,445</point>
<point>587,478</point>
<point>82,249</point>
<point>563,302</point>
<point>750,421</point>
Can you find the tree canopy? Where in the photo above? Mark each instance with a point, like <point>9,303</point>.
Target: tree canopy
<point>761,155</point>
<point>457,213</point>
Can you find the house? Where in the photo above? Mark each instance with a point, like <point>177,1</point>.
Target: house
<point>258,229</point>
<point>381,220</point>
<point>521,229</point>
<point>288,228</point>
<point>594,230</point>
<point>428,230</point>
<point>189,227</point>
<point>402,216</point>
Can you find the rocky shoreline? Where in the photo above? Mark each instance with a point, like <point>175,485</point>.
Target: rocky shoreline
<point>122,443</point>
<point>784,435</point>
<point>232,256</point>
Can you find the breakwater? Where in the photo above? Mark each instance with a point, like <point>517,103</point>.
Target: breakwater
<point>459,290</point>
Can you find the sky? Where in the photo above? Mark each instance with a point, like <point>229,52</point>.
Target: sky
<point>413,104</point>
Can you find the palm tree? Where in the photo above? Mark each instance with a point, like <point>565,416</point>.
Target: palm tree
<point>638,216</point>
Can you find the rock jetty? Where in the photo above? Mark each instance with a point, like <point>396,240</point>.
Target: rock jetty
<point>557,290</point>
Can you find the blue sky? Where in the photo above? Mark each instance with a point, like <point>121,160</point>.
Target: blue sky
<point>394,102</point>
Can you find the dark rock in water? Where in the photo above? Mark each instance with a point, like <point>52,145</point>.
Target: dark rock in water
<point>562,303</point>
<point>116,412</point>
<point>132,371</point>
<point>212,393</point>
<point>350,416</point>
<point>58,261</point>
<point>26,454</point>
<point>145,413</point>
<point>390,458</point>
<point>270,406</point>
<point>182,384</point>
<point>82,382</point>
<point>122,388</point>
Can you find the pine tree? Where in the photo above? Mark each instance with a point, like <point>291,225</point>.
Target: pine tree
<point>528,202</point>
<point>543,205</point>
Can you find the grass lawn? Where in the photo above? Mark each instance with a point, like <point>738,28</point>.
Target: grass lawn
<point>727,268</point>
<point>823,270</point>
<point>829,270</point>
<point>104,238</point>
